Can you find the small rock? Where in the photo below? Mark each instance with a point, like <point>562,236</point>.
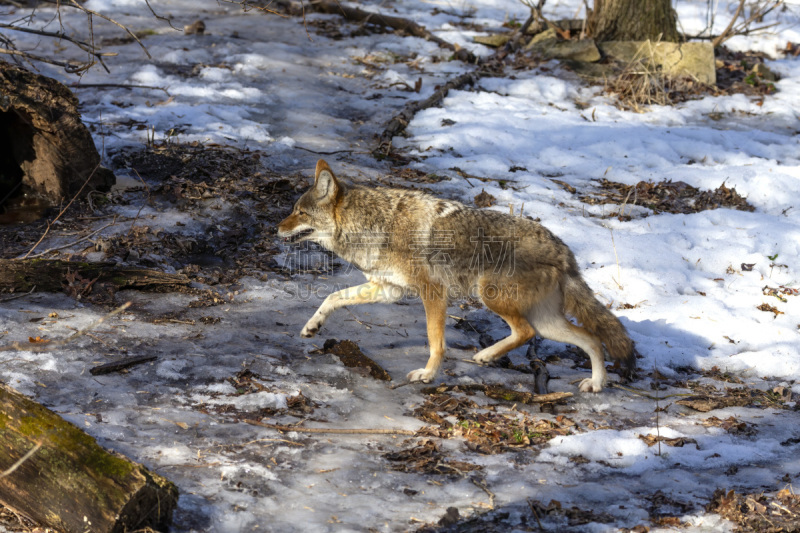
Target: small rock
<point>695,60</point>
<point>198,27</point>
<point>546,37</point>
<point>450,517</point>
<point>763,72</point>
<point>494,41</point>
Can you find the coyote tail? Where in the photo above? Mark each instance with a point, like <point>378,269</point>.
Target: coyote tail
<point>581,304</point>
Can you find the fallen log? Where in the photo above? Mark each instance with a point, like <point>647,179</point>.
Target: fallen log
<point>490,66</point>
<point>399,122</point>
<point>58,476</point>
<point>54,275</point>
<point>355,14</point>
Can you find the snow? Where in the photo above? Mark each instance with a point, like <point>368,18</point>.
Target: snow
<point>261,82</point>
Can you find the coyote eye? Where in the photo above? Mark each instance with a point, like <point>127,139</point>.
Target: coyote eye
<point>301,212</point>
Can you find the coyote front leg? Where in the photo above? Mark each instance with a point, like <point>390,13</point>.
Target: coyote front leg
<point>435,314</point>
<point>366,293</point>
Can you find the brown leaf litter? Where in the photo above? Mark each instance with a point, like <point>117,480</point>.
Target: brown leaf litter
<point>777,512</point>
<point>677,442</point>
<point>427,458</point>
<point>487,431</point>
<point>665,197</point>
<point>708,397</point>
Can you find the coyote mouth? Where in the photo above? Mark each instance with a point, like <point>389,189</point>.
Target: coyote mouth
<point>299,235</point>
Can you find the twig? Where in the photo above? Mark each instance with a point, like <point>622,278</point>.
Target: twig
<point>724,35</point>
<point>127,30</point>
<point>245,6</point>
<point>332,152</point>
<point>122,364</point>
<point>482,485</point>
<point>160,17</point>
<point>619,270</point>
<point>64,210</point>
<point>87,47</point>
<point>47,346</point>
<point>645,395</point>
<point>658,417</point>
<point>18,295</point>
<point>403,384</point>
<point>499,392</point>
<point>535,515</point>
<point>146,201</point>
<point>118,85</point>
<point>332,431</point>
<point>71,66</point>
<point>21,460</point>
<point>92,234</point>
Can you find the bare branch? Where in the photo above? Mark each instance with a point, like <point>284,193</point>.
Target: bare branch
<point>160,17</point>
<point>726,33</point>
<point>246,6</point>
<point>89,48</point>
<point>21,460</point>
<point>72,67</point>
<point>127,30</point>
<point>757,13</point>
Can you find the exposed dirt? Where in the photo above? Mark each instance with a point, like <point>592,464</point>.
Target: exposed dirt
<point>351,356</point>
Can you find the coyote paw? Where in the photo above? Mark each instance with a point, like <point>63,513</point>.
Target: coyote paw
<point>587,385</point>
<point>483,359</point>
<point>309,330</point>
<point>420,374</point>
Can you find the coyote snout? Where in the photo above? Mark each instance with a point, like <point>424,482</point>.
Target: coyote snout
<point>408,241</point>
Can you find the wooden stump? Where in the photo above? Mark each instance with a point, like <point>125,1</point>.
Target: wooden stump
<point>45,149</point>
<point>69,482</point>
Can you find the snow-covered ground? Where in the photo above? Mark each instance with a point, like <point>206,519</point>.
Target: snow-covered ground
<point>678,281</point>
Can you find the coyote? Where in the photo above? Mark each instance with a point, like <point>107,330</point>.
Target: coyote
<point>411,242</point>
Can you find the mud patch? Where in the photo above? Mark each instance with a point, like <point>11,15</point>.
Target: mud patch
<point>351,356</point>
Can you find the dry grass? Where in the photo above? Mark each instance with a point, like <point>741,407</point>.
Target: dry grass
<point>641,84</point>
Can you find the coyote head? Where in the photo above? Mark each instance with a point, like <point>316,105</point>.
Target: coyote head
<point>313,215</point>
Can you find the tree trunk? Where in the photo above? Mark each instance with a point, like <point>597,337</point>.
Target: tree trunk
<point>633,20</point>
<point>69,482</point>
<point>45,149</point>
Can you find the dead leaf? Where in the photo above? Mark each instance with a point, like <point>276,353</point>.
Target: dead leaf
<point>484,199</point>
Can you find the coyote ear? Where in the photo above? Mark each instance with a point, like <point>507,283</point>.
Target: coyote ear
<point>326,186</point>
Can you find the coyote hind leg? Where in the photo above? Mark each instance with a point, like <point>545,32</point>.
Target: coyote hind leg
<point>551,323</point>
<point>365,293</point>
<point>511,310</point>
